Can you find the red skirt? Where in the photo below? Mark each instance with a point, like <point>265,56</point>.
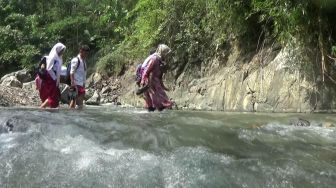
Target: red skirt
<point>49,91</point>
<point>80,90</point>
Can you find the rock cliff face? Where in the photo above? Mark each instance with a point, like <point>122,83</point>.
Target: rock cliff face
<point>271,81</point>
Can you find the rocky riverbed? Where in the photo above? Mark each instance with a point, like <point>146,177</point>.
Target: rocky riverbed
<point>18,89</point>
<point>14,96</point>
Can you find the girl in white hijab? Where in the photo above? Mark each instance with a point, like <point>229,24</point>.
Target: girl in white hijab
<point>55,62</point>
<point>50,92</point>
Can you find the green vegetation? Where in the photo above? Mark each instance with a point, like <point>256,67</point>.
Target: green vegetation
<point>28,29</point>
<point>197,30</point>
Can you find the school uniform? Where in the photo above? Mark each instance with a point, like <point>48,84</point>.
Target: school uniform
<point>49,89</point>
<point>79,72</point>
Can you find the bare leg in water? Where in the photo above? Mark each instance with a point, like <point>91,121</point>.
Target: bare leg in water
<point>44,104</point>
<point>72,104</point>
<point>80,102</point>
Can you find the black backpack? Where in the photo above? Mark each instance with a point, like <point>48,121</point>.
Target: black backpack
<point>41,69</point>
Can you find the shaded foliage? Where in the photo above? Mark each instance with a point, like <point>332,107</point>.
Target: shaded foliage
<point>198,31</point>
<point>30,28</point>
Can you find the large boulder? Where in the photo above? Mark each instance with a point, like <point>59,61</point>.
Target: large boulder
<point>11,81</point>
<point>22,75</point>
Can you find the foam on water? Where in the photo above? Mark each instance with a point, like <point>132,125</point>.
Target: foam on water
<point>129,148</point>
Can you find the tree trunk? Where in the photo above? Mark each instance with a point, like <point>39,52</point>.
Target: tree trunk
<point>321,46</point>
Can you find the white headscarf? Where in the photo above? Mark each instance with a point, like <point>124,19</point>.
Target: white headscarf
<point>54,57</point>
<point>162,51</point>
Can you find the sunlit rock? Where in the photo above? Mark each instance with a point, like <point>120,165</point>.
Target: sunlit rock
<point>94,100</point>
<point>11,81</point>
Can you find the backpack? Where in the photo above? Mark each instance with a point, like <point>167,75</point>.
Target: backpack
<point>140,69</point>
<point>66,78</point>
<point>41,69</point>
<point>138,74</point>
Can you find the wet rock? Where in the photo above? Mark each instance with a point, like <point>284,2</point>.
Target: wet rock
<point>6,127</point>
<point>300,122</point>
<point>9,126</point>
<point>13,124</point>
<point>94,100</point>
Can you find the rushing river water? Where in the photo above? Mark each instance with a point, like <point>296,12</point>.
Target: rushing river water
<point>111,147</point>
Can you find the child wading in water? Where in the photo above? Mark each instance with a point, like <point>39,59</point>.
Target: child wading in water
<point>49,89</point>
<point>78,77</point>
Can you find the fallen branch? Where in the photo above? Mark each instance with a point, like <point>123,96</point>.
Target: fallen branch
<point>333,80</point>
<point>333,58</point>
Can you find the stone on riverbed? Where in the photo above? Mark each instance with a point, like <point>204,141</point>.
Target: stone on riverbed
<point>300,122</point>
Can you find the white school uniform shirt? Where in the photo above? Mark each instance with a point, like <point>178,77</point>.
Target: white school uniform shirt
<point>80,72</point>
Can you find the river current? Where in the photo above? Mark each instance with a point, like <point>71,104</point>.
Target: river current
<point>114,147</point>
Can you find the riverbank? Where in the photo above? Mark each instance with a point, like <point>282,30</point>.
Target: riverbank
<point>265,81</point>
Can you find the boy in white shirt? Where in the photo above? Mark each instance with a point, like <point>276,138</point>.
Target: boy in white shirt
<point>78,76</point>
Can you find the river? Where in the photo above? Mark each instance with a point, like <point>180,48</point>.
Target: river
<point>114,147</point>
